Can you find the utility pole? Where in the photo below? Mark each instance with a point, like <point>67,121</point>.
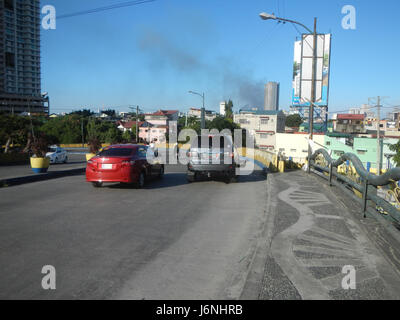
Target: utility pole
<point>83,137</point>
<point>378,136</point>
<point>203,110</point>
<point>137,124</point>
<point>203,115</point>
<point>313,91</point>
<point>186,119</point>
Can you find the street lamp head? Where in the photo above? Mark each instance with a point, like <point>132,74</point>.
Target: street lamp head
<point>267,16</point>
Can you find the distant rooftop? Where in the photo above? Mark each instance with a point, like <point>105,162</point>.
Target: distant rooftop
<point>262,112</point>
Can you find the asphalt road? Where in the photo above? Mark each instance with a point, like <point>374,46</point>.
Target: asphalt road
<point>171,240</point>
<point>284,237</point>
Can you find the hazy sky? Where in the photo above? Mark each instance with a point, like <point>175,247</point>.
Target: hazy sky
<point>152,54</point>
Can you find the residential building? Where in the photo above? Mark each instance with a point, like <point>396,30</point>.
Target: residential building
<point>209,115</point>
<point>364,148</point>
<point>294,146</point>
<point>349,123</point>
<point>159,124</point>
<point>262,125</point>
<point>20,76</point>
<point>271,96</point>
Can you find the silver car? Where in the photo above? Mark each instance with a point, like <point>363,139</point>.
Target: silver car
<point>212,155</point>
<point>57,155</point>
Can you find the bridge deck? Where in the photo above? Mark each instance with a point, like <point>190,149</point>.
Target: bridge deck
<point>311,232</point>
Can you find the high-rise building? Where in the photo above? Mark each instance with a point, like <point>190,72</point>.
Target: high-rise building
<point>222,106</point>
<point>20,77</point>
<point>271,97</point>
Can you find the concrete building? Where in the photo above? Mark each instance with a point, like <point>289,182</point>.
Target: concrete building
<point>195,112</point>
<point>262,126</point>
<point>349,123</point>
<point>364,148</point>
<point>20,80</point>
<point>295,145</point>
<point>271,96</point>
<point>158,125</point>
<point>222,108</point>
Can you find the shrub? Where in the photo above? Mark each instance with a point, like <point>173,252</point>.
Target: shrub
<point>94,145</point>
<point>40,145</point>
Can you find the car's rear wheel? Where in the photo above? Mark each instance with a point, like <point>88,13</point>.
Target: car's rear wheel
<point>141,180</point>
<point>97,184</point>
<point>231,178</point>
<point>191,177</point>
<point>161,174</point>
<point>66,160</point>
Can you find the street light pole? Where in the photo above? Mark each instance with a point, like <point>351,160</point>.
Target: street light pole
<point>203,110</point>
<point>267,16</point>
<point>313,91</point>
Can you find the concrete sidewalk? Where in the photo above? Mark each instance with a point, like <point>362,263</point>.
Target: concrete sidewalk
<point>311,233</point>
<point>16,175</point>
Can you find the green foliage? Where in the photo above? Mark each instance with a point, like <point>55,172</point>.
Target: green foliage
<point>220,123</point>
<point>65,129</point>
<point>229,109</point>
<point>128,136</point>
<point>94,145</point>
<point>113,135</point>
<point>14,129</point>
<point>40,145</point>
<point>396,148</point>
<point>110,113</point>
<point>83,113</point>
<point>294,120</point>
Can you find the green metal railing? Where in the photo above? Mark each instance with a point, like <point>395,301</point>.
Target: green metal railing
<point>367,183</point>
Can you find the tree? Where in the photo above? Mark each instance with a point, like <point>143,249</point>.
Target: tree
<point>113,135</point>
<point>110,112</point>
<point>83,113</point>
<point>14,129</point>
<point>396,148</point>
<point>229,109</point>
<point>294,120</point>
<point>128,136</point>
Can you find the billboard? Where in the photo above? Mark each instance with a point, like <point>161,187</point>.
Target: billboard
<point>302,70</point>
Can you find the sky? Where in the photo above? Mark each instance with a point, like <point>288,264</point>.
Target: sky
<point>152,54</point>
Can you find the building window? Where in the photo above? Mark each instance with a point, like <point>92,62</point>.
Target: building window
<point>361,152</point>
<point>328,143</point>
<point>293,150</point>
<point>338,153</point>
<point>10,59</point>
<point>264,121</point>
<point>9,4</point>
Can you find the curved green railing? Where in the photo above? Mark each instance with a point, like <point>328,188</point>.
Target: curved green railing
<point>369,181</point>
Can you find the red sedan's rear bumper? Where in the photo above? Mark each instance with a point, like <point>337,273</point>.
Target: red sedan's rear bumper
<point>125,175</point>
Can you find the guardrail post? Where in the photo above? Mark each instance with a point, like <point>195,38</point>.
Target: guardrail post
<point>365,197</point>
<point>330,174</point>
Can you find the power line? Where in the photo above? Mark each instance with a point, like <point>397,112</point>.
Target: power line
<point>106,8</point>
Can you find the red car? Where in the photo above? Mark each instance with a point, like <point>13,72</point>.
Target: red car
<point>126,164</point>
